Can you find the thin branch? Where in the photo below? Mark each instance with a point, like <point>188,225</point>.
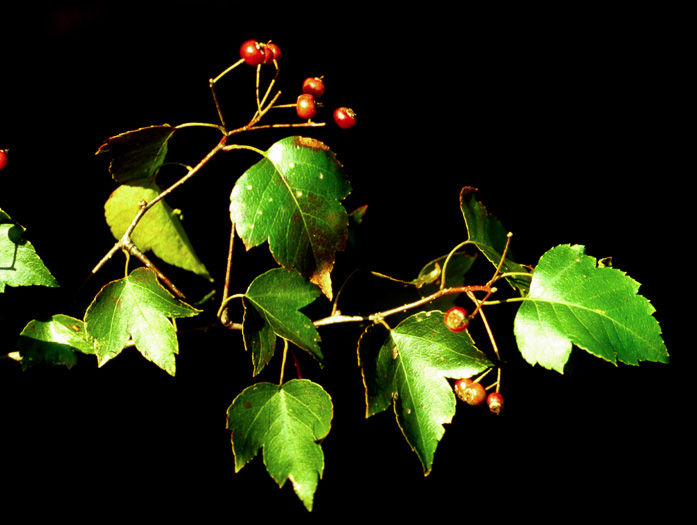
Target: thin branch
<point>224,318</point>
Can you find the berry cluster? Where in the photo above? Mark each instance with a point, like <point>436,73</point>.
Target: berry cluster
<point>3,159</point>
<point>473,393</point>
<point>306,106</point>
<point>470,391</point>
<point>258,53</point>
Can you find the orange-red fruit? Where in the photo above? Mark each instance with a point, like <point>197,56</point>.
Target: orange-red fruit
<point>495,402</point>
<point>252,53</point>
<point>474,394</point>
<point>3,159</point>
<point>460,386</point>
<point>456,319</point>
<point>273,52</point>
<point>305,106</point>
<point>314,86</point>
<point>345,118</point>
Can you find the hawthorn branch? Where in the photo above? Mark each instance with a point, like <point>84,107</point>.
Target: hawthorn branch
<point>378,316</point>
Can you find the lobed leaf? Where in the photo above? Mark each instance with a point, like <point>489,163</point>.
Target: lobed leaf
<point>19,263</point>
<point>272,304</point>
<point>286,421</point>
<point>137,154</point>
<point>54,341</point>
<point>408,366</point>
<point>159,230</point>
<point>136,307</point>
<point>291,199</point>
<point>595,307</point>
<point>490,237</point>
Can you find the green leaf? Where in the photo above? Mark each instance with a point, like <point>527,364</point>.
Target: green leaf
<point>54,341</point>
<point>291,198</point>
<point>137,154</point>
<point>490,237</point>
<point>597,308</point>
<point>160,229</point>
<point>19,263</point>
<point>271,307</point>
<point>408,366</point>
<point>287,422</point>
<point>136,307</point>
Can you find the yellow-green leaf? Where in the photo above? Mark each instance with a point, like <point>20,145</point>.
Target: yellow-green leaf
<point>160,229</point>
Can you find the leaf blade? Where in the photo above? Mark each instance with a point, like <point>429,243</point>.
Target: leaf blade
<point>574,301</point>
<point>54,341</point>
<point>291,199</point>
<point>286,422</point>
<point>136,307</point>
<point>159,230</point>
<point>490,237</point>
<point>20,265</point>
<point>272,303</point>
<point>408,366</point>
<point>137,154</point>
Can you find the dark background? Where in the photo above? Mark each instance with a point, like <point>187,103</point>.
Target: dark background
<point>569,123</point>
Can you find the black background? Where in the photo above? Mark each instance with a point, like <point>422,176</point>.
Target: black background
<point>568,122</point>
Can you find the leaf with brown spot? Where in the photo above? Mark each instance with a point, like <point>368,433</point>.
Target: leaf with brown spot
<point>291,199</point>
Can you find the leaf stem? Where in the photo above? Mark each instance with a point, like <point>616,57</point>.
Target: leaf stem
<point>223,314</point>
<point>283,362</point>
<point>503,258</point>
<point>447,260</point>
<point>201,125</point>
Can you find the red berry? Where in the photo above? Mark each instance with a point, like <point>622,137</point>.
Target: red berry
<point>460,386</point>
<point>273,52</point>
<point>345,118</point>
<point>474,394</point>
<point>252,53</point>
<point>306,106</point>
<point>314,86</point>
<point>456,319</point>
<point>495,402</point>
<point>3,159</point>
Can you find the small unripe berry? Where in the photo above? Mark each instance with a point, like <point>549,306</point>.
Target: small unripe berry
<point>456,319</point>
<point>495,402</point>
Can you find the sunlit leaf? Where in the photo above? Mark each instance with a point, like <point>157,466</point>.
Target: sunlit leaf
<point>19,263</point>
<point>272,304</point>
<point>287,422</point>
<point>137,154</point>
<point>407,367</point>
<point>160,229</point>
<point>490,237</point>
<point>54,341</point>
<point>291,198</point>
<point>136,308</point>
<point>597,308</point>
